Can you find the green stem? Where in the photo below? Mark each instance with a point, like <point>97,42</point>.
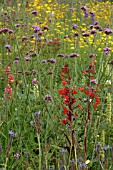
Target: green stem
<point>40,153</point>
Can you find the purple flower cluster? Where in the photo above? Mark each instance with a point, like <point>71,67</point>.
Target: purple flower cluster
<point>85,11</point>
<point>48,97</point>
<point>51,60</point>
<point>34,12</point>
<point>74,26</point>
<point>92,17</point>
<point>11,133</point>
<point>107,31</point>
<point>6,30</point>
<point>106,51</point>
<point>36,28</point>
<point>8,47</point>
<point>66,55</point>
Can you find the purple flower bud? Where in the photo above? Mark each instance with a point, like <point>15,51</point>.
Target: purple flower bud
<point>11,133</point>
<point>27,58</point>
<point>85,14</point>
<point>85,34</point>
<point>10,31</point>
<point>99,144</point>
<point>40,33</point>
<point>23,25</point>
<point>71,9</point>
<point>44,61</point>
<point>34,81</point>
<point>5,30</point>
<point>105,148</point>
<point>96,23</point>
<point>91,26</point>
<point>45,28</point>
<point>65,56</point>
<point>73,55</point>
<point>31,50</point>
<point>34,12</point>
<point>93,32</point>
<point>74,26</point>
<point>92,14</point>
<point>48,97</point>
<point>83,8</point>
<point>51,60</point>
<point>37,113</point>
<point>17,25</point>
<point>62,151</point>
<point>17,155</point>
<point>83,165</point>
<point>16,61</point>
<point>106,50</point>
<point>5,13</point>
<point>93,81</point>
<point>33,72</point>
<point>8,47</point>
<point>60,55</point>
<point>91,55</point>
<point>76,34</point>
<point>24,38</point>
<point>107,31</point>
<point>98,27</point>
<point>36,28</point>
<point>50,20</point>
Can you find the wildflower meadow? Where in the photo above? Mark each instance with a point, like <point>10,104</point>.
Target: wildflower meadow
<point>56,85</point>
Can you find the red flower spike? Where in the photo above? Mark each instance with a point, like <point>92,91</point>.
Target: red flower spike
<point>81,88</point>
<point>87,92</point>
<point>74,91</point>
<point>7,69</point>
<point>91,94</point>
<point>65,68</point>
<point>10,78</point>
<point>97,102</point>
<point>61,79</point>
<point>80,107</point>
<point>64,82</point>
<point>64,121</point>
<point>65,110</point>
<point>97,99</point>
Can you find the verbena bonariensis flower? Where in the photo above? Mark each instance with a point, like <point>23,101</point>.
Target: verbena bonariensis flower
<point>106,50</point>
<point>85,34</point>
<point>11,133</point>
<point>98,27</point>
<point>93,32</point>
<point>73,55</point>
<point>48,97</point>
<point>34,81</point>
<point>17,155</point>
<point>34,12</point>
<point>74,26</point>
<point>92,17</point>
<point>27,58</point>
<point>107,31</point>
<point>36,28</point>
<point>45,27</point>
<point>8,47</point>
<point>51,60</point>
<point>71,9</point>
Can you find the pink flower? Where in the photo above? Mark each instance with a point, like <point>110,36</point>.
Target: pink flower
<point>10,78</point>
<point>8,90</point>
